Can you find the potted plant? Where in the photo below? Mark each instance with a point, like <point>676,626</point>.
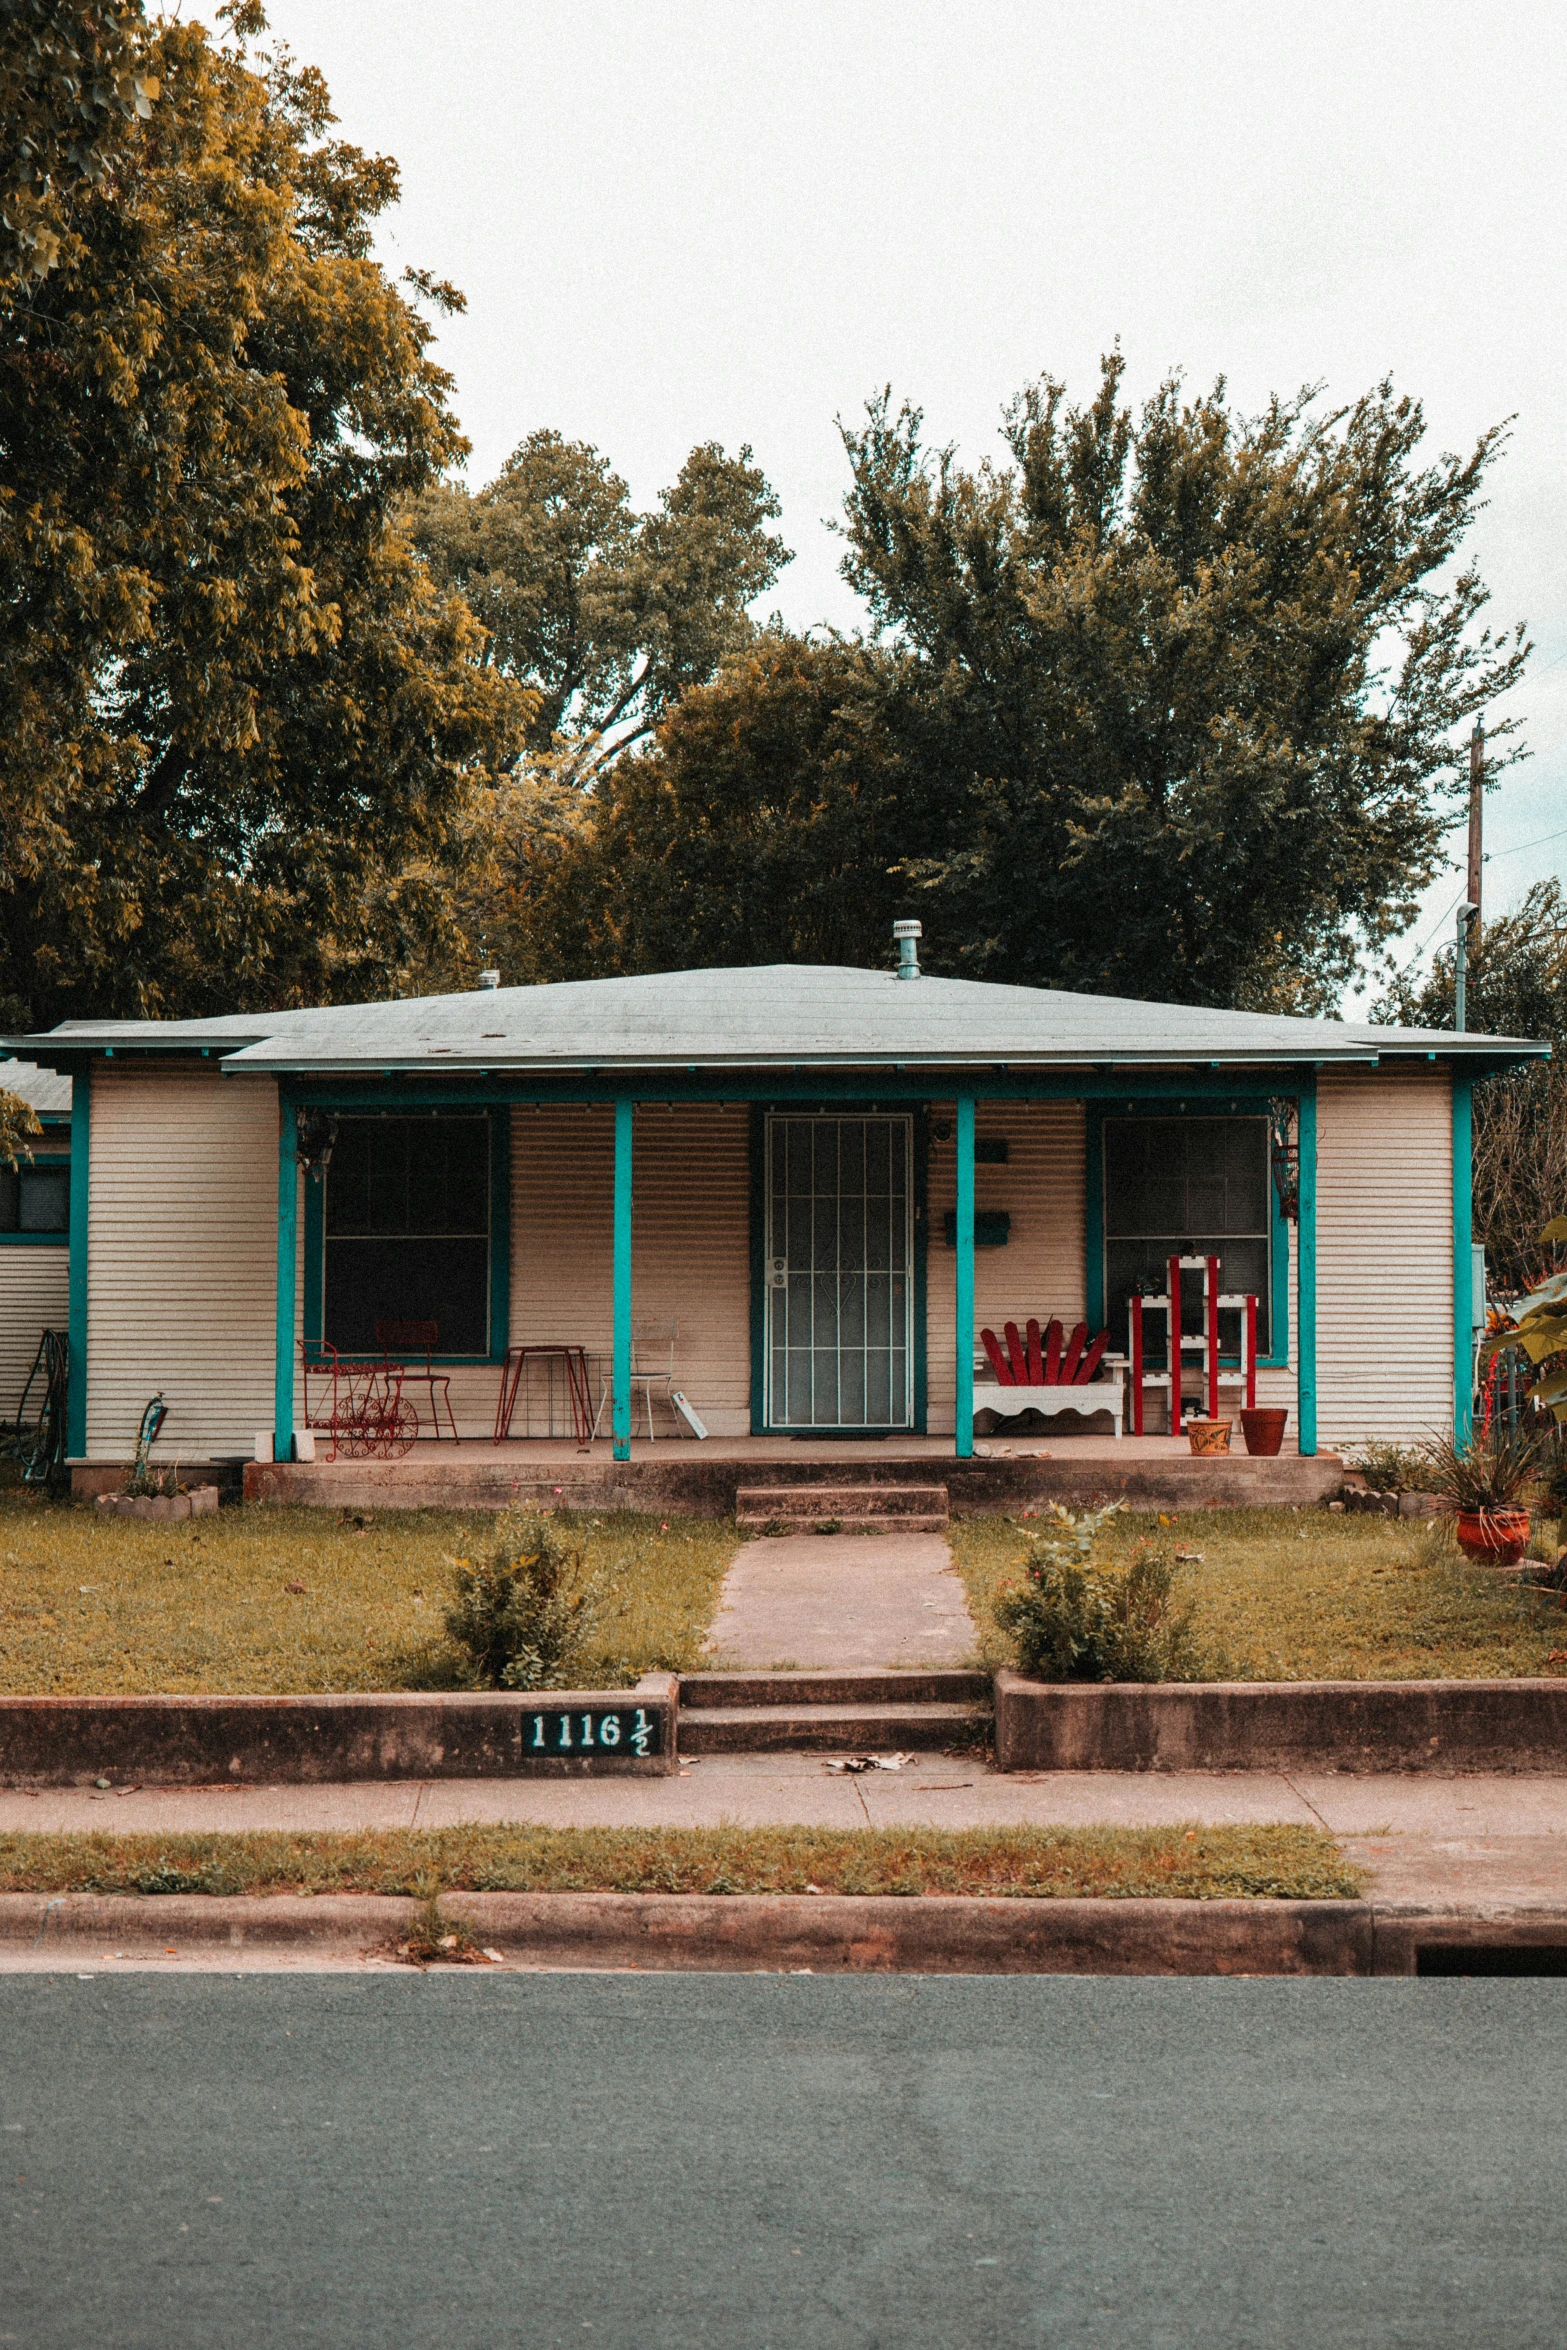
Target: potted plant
<point>1484,1482</point>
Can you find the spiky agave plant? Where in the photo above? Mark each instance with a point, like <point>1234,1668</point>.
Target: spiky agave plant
<point>1492,1472</point>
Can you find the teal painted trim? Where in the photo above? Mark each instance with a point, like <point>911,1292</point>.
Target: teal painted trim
<point>758,1159</point>
<point>500,1233</point>
<point>920,1268</point>
<point>1094,1215</point>
<point>287,1252</point>
<point>620,1388</point>
<point>1240,1105</point>
<point>76,1277</point>
<point>1306,1274</point>
<point>827,1090</point>
<point>963,1332</point>
<point>1463,1258</point>
<point>35,1240</point>
<point>315,1256</point>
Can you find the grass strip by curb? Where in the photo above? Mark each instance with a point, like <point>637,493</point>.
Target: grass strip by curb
<point>1182,1862</point>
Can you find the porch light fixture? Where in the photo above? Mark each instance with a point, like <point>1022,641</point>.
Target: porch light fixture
<point>317,1132</point>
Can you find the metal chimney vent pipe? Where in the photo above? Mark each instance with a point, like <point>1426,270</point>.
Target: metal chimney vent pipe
<point>489,979</point>
<point>906,934</point>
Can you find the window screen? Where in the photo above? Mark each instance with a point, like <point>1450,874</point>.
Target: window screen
<point>407,1231</point>
<point>1191,1187</point>
<point>36,1197</point>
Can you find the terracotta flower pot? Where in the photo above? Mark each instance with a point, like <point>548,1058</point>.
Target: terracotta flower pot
<point>1498,1538</point>
<point>1263,1428</point>
<point>1209,1435</point>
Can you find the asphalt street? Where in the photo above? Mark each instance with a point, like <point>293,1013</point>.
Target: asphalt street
<point>472,2162</point>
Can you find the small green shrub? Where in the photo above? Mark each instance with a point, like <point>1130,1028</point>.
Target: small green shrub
<point>1391,1468</point>
<point>1075,1618</point>
<point>523,1615</point>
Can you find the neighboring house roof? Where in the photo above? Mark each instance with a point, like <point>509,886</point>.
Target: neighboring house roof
<point>41,1089</point>
<point>788,1015</point>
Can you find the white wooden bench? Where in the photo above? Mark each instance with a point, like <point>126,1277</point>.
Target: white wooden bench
<point>1104,1393</point>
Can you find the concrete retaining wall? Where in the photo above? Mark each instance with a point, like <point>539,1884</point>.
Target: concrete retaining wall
<point>174,1741</point>
<point>1281,1725</point>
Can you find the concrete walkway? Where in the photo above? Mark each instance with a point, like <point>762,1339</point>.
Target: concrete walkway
<point>818,1602</point>
<point>779,1790</point>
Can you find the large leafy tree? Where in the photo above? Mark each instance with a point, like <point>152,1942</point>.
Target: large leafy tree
<point>1516,985</point>
<point>241,718</point>
<point>760,829</point>
<point>1187,685</point>
<point>607,615</point>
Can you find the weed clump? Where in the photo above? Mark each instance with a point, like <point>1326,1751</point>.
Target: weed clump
<point>523,1616</point>
<point>1077,1618</point>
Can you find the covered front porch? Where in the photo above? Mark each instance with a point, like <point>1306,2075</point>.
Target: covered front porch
<point>809,1264</point>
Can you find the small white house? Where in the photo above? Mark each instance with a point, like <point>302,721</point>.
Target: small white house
<point>824,1182</point>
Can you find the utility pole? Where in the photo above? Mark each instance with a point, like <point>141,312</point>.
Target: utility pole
<point>1469,910</point>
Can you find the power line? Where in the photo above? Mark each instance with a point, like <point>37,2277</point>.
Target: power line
<point>1543,841</point>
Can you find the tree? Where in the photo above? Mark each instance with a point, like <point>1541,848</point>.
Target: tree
<point>69,78</point>
<point>759,829</point>
<point>241,718</point>
<point>1516,985</point>
<point>608,615</point>
<point>1187,686</point>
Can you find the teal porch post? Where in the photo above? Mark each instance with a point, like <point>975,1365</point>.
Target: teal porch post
<point>1306,1272</point>
<point>1463,1258</point>
<point>76,1273</point>
<point>620,1374</point>
<point>964,1331</point>
<point>287,1260</point>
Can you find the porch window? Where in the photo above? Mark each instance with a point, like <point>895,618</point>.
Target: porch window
<point>1190,1187</point>
<point>35,1200</point>
<point>406,1231</point>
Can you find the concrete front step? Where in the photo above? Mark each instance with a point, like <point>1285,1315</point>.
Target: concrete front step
<point>853,1685</point>
<point>834,1523</point>
<point>827,1729</point>
<point>912,1508</point>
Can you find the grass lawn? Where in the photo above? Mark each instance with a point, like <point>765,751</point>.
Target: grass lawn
<point>1286,1595</point>
<point>1205,1864</point>
<point>89,1606</point>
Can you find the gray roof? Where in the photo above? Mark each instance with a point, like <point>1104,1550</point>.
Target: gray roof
<point>41,1089</point>
<point>765,1016</point>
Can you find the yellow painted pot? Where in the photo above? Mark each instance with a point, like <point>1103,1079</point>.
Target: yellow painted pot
<point>1209,1435</point>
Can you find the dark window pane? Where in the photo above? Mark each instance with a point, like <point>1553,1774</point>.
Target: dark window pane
<point>407,1175</point>
<point>1187,1187</point>
<point>10,1200</point>
<point>46,1199</point>
<point>407,1280</point>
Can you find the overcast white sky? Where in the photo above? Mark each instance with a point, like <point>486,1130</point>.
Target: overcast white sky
<point>676,221</point>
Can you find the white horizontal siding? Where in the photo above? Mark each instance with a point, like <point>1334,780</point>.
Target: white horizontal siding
<point>34,1295</point>
<point>182,1257</point>
<point>1043,1268</point>
<point>690,1246</point>
<point>1384,1256</point>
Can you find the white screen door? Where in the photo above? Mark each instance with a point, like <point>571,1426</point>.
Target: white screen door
<point>839,1288</point>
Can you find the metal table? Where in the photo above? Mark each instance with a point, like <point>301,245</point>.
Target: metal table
<point>513,1370</point>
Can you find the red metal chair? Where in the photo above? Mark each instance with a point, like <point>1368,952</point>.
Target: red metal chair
<point>416,1338</point>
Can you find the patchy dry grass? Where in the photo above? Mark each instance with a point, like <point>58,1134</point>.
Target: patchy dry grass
<point>260,1600</point>
<point>1286,1595</point>
<point>1196,1863</point>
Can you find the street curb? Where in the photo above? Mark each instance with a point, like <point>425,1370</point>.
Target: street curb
<point>1446,1726</point>
<point>821,1934</point>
